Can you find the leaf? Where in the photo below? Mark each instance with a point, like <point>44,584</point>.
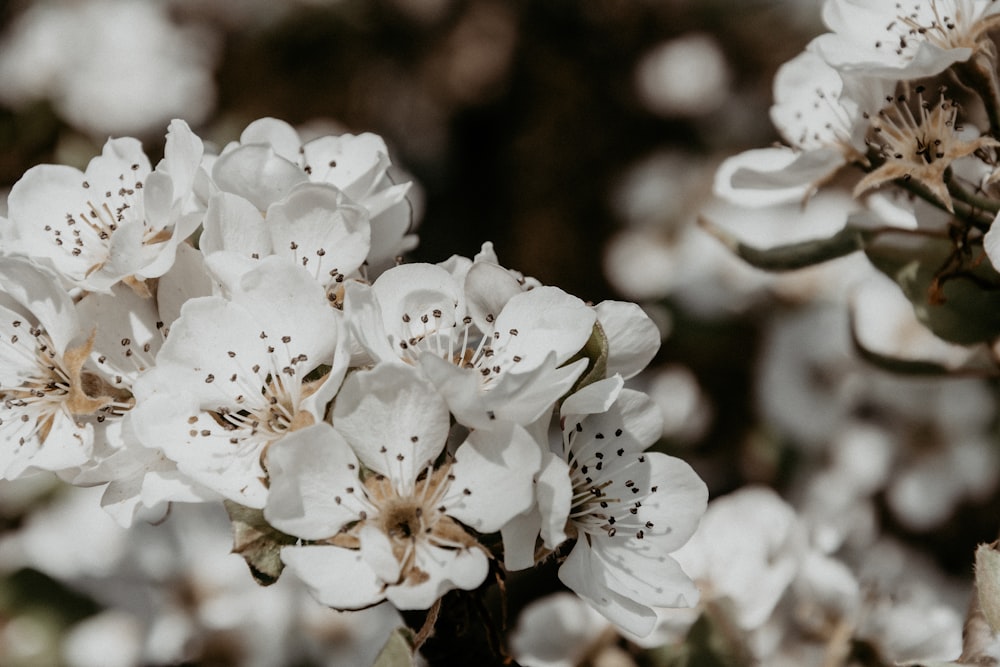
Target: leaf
<point>793,256</point>
<point>258,542</point>
<point>396,652</point>
<point>961,305</point>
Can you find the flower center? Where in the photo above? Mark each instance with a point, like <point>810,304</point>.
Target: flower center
<point>87,232</point>
<point>922,138</point>
<point>928,23</point>
<point>51,385</point>
<point>461,343</point>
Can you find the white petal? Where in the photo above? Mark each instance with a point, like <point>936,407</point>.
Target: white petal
<point>595,397</point>
<point>631,424</point>
<point>202,449</point>
<point>158,199</point>
<point>337,577</point>
<point>233,223</point>
<point>314,484</point>
<point>38,292</point>
<point>377,550</point>
<point>292,308</point>
<point>66,446</point>
<point>524,397</point>
<point>488,288</point>
<point>353,163</point>
<point>181,156</point>
<point>554,491</point>
<point>320,228</point>
<point>519,540</point>
<point>187,279</point>
<point>275,133</point>
<point>497,468</point>
<point>634,569</point>
<point>43,195</point>
<point>410,292</point>
<point>446,569</point>
<point>393,419</point>
<point>771,176</point>
<point>559,630</point>
<point>363,313</point>
<point>257,173</point>
<point>633,338</point>
<point>541,321</point>
<point>126,340</point>
<point>587,576</point>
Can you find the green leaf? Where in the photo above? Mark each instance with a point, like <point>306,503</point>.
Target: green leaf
<point>397,651</point>
<point>258,542</point>
<point>963,307</point>
<point>793,255</point>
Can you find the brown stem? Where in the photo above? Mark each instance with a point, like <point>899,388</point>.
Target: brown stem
<point>427,629</point>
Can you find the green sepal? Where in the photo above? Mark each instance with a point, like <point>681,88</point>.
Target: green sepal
<point>258,542</point>
<point>595,350</point>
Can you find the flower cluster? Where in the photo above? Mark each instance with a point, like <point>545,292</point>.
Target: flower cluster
<point>239,327</point>
<point>874,94</point>
<point>871,110</point>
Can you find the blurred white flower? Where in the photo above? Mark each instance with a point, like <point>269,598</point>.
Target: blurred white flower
<point>685,407</point>
<point>109,66</point>
<point>748,549</point>
<point>559,630</point>
<point>685,76</point>
<point>69,538</point>
<point>110,639</point>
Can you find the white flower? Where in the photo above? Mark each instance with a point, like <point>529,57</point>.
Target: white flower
<point>387,519</point>
<point>494,351</point>
<point>52,396</point>
<point>127,337</point>
<point>270,160</point>
<point>903,40</point>
<point>237,374</point>
<point>627,509</point>
<point>821,114</point>
<point>118,221</point>
<point>315,225</point>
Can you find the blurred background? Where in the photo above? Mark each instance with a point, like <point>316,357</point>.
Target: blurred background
<point>581,137</point>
